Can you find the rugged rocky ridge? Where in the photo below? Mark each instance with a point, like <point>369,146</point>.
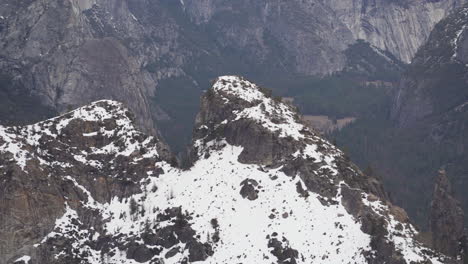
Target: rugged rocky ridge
<point>366,62</point>
<point>87,187</point>
<point>86,157</point>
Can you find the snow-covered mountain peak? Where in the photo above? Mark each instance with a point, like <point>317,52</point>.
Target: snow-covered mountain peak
<point>238,88</point>
<point>99,111</point>
<point>251,102</point>
<point>244,114</point>
<point>252,194</point>
<point>94,136</point>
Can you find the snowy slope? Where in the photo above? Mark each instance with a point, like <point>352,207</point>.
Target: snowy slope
<point>223,209</point>
<point>26,143</point>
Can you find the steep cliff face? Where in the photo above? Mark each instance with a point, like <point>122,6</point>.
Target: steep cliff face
<point>307,32</point>
<point>435,82</point>
<point>89,188</point>
<point>400,26</point>
<point>428,124</point>
<point>69,53</point>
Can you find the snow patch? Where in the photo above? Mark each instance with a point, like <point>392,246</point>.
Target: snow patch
<point>267,111</point>
<point>238,87</point>
<point>13,145</point>
<point>24,143</point>
<point>24,259</point>
<point>401,234</point>
<point>461,107</point>
<point>456,40</point>
<point>272,115</point>
<point>310,151</point>
<point>211,190</point>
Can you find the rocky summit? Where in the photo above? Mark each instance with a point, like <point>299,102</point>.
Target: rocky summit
<point>88,187</point>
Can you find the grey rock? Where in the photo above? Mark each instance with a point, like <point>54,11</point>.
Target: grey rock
<point>430,108</point>
<point>75,52</point>
<point>249,189</point>
<point>37,193</point>
<point>447,219</point>
<point>72,53</point>
<point>400,26</point>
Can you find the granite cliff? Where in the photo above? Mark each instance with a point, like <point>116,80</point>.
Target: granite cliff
<point>430,109</point>
<point>63,54</point>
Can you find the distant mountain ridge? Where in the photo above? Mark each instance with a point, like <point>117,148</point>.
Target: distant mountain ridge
<point>69,53</point>
<point>430,106</point>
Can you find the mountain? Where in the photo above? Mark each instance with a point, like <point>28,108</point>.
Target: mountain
<point>434,84</point>
<point>158,56</point>
<point>68,54</point>
<point>397,26</point>
<point>415,125</point>
<point>429,108</point>
<point>87,187</point>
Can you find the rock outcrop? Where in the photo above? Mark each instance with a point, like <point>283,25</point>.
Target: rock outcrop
<point>79,160</point>
<point>447,220</point>
<point>87,187</point>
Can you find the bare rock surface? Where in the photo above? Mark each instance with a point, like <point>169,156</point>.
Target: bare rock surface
<point>447,220</point>
<point>71,53</point>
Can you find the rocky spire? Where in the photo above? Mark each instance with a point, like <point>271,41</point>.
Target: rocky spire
<point>447,219</point>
